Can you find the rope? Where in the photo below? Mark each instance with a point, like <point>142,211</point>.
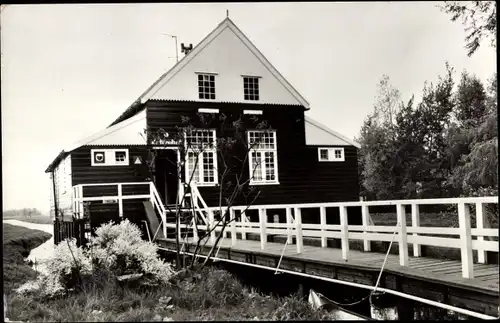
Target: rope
<point>282,253</point>
<point>378,279</point>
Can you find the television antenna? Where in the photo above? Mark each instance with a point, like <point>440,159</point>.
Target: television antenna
<point>176,48</point>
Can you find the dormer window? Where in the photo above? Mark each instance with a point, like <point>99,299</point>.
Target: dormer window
<point>251,88</point>
<point>206,86</point>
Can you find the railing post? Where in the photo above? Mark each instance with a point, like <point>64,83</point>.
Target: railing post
<point>195,227</point>
<point>233,226</point>
<point>322,219</point>
<point>120,201</point>
<point>151,192</point>
<point>403,238</point>
<point>211,224</point>
<point>298,229</point>
<point>243,225</point>
<point>465,240</point>
<point>365,218</point>
<point>262,221</point>
<point>289,221</point>
<point>480,212</point>
<point>415,223</point>
<point>344,240</point>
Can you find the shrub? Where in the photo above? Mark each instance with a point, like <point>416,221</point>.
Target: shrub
<point>64,271</point>
<point>120,249</point>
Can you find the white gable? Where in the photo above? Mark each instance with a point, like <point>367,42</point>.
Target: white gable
<point>230,54</point>
<point>319,134</point>
<point>127,132</point>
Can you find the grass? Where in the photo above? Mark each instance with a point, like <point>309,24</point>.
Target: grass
<point>211,294</point>
<point>17,243</point>
<point>36,218</point>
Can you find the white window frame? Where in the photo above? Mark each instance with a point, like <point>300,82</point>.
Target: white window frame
<point>206,90</point>
<point>331,154</point>
<point>199,167</point>
<point>256,84</point>
<point>262,151</point>
<point>109,157</point>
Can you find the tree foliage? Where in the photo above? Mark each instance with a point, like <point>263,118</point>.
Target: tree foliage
<point>479,19</point>
<point>446,145</point>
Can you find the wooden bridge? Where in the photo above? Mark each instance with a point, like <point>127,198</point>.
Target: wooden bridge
<point>468,285</point>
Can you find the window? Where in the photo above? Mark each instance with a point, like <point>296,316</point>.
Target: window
<point>263,163</point>
<point>331,154</point>
<point>201,161</point>
<point>251,88</point>
<point>206,86</point>
<point>109,157</point>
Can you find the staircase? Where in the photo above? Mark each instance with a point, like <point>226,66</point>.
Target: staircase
<point>190,211</point>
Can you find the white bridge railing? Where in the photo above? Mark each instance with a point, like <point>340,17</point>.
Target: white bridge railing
<point>469,238</point>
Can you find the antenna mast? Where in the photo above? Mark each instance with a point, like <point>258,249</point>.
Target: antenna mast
<point>176,48</point>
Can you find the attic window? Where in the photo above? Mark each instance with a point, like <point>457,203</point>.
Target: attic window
<point>251,88</point>
<point>206,86</point>
<point>331,154</point>
<point>120,157</point>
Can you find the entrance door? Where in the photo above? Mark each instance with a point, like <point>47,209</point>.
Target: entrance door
<point>166,177</point>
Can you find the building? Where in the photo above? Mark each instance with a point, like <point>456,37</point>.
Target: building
<point>302,161</point>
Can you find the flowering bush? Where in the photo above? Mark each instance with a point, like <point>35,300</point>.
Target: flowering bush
<point>120,249</point>
<point>117,249</point>
<point>63,271</point>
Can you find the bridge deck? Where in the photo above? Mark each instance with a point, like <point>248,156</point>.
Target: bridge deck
<point>440,271</point>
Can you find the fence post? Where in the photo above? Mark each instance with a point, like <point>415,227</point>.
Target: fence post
<point>211,224</point>
<point>344,240</point>
<point>298,230</point>
<point>288,222</point>
<point>243,225</point>
<point>415,223</point>
<point>365,217</point>
<point>233,226</point>
<point>465,240</point>
<point>262,221</point>
<point>480,212</point>
<point>120,201</point>
<point>403,238</point>
<point>322,216</point>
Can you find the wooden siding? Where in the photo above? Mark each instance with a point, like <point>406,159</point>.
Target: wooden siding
<point>84,173</point>
<point>302,178</point>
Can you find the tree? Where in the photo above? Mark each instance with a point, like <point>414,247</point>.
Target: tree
<point>479,19</point>
<point>232,151</point>
<point>470,101</point>
<point>376,158</point>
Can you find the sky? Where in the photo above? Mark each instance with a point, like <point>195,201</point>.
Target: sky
<point>69,70</point>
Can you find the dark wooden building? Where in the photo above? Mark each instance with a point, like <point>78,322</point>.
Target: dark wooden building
<point>300,160</point>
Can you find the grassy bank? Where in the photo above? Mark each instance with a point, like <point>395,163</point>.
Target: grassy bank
<point>212,294</point>
<point>17,244</point>
<point>36,218</point>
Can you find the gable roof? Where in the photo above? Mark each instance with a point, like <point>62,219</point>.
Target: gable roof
<point>226,23</point>
<point>127,132</point>
<point>319,134</point>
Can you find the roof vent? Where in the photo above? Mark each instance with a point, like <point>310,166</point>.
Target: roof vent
<point>186,49</point>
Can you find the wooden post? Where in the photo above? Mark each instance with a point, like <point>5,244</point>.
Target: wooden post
<point>344,240</point>
<point>120,201</point>
<point>211,225</point>
<point>480,213</point>
<point>365,217</point>
<point>195,230</point>
<point>465,240</point>
<point>403,238</point>
<point>262,222</point>
<point>233,227</point>
<point>243,225</point>
<point>298,230</point>
<point>322,216</point>
<point>415,223</point>
<point>288,222</point>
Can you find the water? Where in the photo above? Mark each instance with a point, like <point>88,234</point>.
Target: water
<point>41,253</point>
